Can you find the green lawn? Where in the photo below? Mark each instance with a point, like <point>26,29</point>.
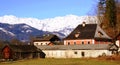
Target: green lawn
<point>61,62</point>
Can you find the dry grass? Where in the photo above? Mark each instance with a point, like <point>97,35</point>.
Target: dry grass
<point>113,58</point>
<point>72,61</point>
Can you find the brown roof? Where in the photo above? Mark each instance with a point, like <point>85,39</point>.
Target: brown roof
<point>48,37</point>
<point>79,47</point>
<point>89,31</point>
<point>1,46</point>
<point>23,48</point>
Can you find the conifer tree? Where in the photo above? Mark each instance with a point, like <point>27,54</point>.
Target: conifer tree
<point>110,13</point>
<point>108,10</point>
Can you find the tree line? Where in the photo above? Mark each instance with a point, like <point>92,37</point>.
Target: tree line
<point>109,16</point>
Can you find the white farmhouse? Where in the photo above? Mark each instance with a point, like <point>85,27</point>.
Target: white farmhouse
<point>78,51</point>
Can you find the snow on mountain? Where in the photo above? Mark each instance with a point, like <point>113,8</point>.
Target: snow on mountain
<point>22,32</point>
<point>7,32</point>
<point>59,24</point>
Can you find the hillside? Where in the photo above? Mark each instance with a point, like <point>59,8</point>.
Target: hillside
<point>18,31</point>
<point>61,26</point>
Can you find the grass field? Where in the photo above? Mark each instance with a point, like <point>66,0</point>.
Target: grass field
<point>61,62</point>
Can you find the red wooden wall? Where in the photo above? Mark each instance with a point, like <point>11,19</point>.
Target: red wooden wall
<point>7,52</point>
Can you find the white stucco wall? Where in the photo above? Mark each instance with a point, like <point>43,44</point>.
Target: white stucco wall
<point>74,53</point>
<point>118,44</point>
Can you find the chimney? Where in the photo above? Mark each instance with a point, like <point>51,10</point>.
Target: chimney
<point>83,24</point>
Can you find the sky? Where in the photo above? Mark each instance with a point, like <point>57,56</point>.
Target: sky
<point>42,9</point>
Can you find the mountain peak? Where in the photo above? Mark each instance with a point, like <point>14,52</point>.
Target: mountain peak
<point>61,24</point>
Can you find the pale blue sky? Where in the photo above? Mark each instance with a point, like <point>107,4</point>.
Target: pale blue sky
<point>46,8</point>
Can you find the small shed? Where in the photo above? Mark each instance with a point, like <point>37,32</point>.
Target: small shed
<point>20,51</point>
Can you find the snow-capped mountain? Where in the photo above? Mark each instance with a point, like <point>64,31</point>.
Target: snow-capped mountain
<point>59,24</point>
<point>18,31</point>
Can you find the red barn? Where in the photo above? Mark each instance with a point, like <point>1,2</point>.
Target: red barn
<point>20,51</point>
<point>7,52</point>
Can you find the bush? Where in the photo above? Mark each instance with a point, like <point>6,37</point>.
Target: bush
<point>113,57</point>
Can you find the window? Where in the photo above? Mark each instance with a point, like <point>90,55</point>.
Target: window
<point>100,33</point>
<point>88,42</point>
<point>75,52</point>
<point>41,43</point>
<point>36,43</point>
<point>74,43</point>
<point>77,34</point>
<point>82,54</point>
<point>68,43</point>
<point>82,42</point>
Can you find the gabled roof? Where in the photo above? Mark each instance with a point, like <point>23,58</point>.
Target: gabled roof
<point>48,37</point>
<point>89,31</point>
<point>79,47</point>
<point>23,48</point>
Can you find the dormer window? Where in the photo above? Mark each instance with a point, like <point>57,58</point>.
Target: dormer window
<point>100,34</point>
<point>77,34</point>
